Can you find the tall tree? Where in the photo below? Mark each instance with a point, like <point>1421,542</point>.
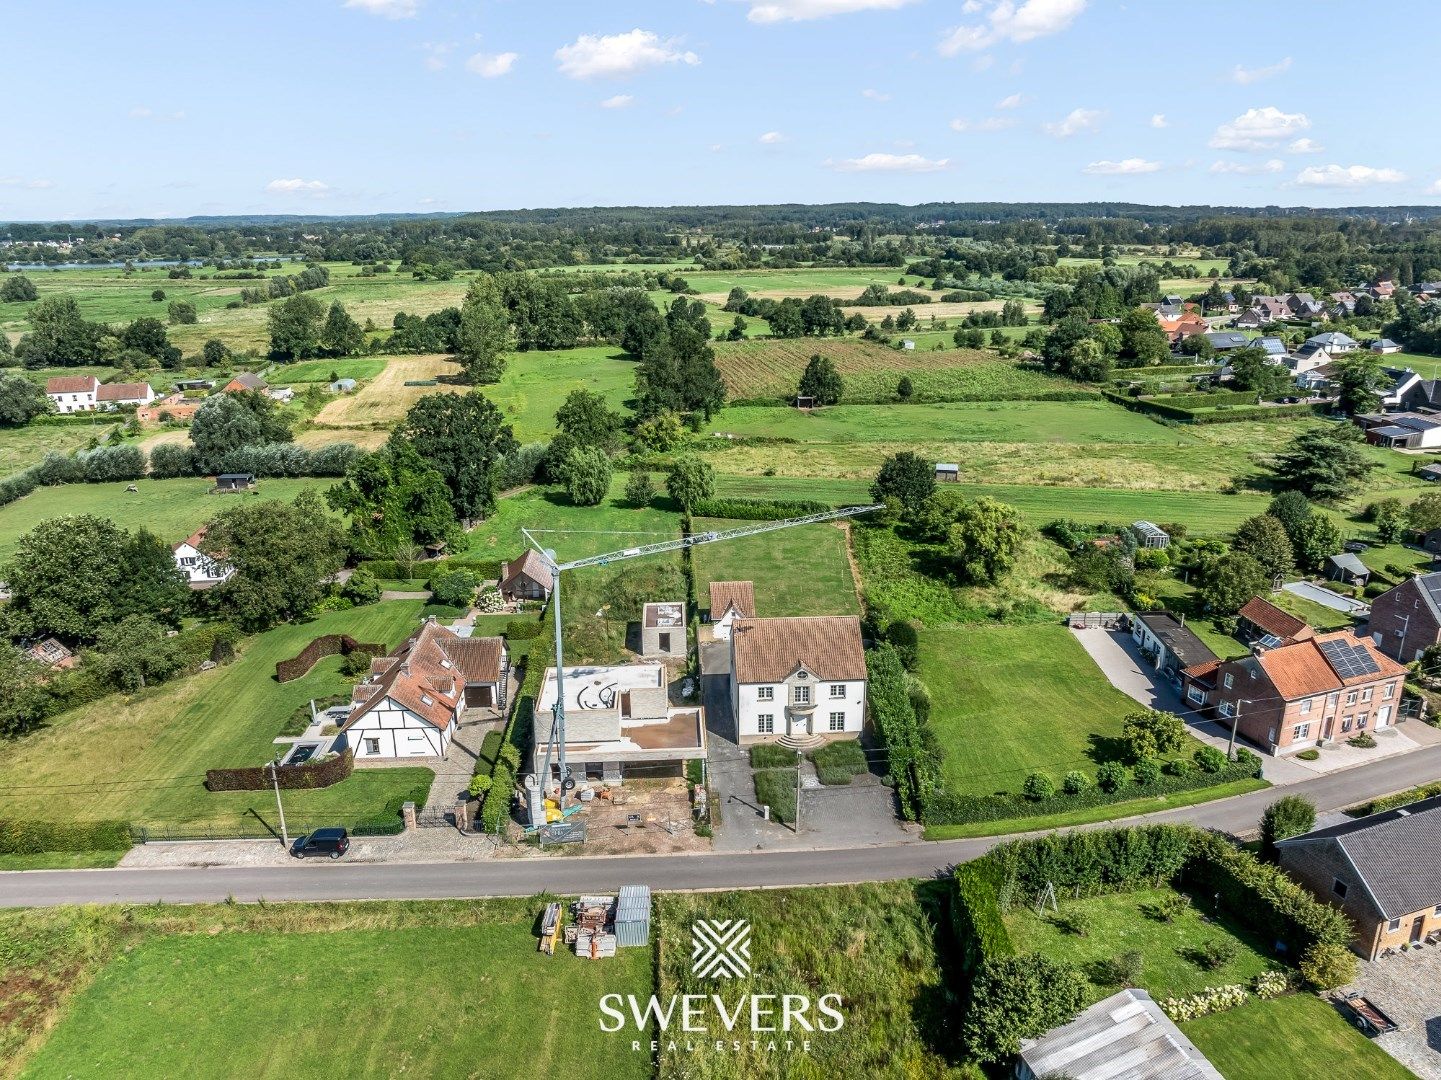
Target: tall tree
<point>586,474</point>
<point>906,477</point>
<point>1326,464</point>
<point>463,437</point>
<point>59,336</point>
<point>22,700</point>
<point>295,325</point>
<point>284,555</point>
<point>1228,581</point>
<point>589,420</point>
<point>1143,342</point>
<point>484,331</point>
<point>1359,382</point>
<point>394,497</point>
<point>1264,539</point>
<point>20,400</point>
<point>1254,371</point>
<point>985,538</point>
<point>341,335</point>
<point>690,481</point>
<point>134,652</point>
<point>821,381</point>
<point>229,422</point>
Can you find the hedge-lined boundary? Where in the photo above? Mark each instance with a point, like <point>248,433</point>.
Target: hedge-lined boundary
<point>757,509</point>
<point>929,399</point>
<point>1232,414</point>
<point>28,837</point>
<point>328,645</point>
<point>320,774</point>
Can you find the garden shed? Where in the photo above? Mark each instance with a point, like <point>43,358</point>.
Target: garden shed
<point>1151,535</point>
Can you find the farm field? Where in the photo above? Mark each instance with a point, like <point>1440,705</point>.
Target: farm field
<point>1013,700</point>
<point>870,372</point>
<point>386,398</point>
<point>22,447</point>
<point>1042,422</point>
<point>142,758</point>
<point>773,562</point>
<point>172,509</point>
<point>176,992</point>
<point>1295,1037</point>
<point>325,371</point>
<point>535,385</point>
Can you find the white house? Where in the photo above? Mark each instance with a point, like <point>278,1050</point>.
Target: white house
<point>72,393</point>
<point>199,569</point>
<point>729,601</point>
<point>114,395</point>
<point>413,699</point>
<point>798,680</point>
<point>619,723</point>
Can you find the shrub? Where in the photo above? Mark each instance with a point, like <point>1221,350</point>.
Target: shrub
<point>1075,921</point>
<point>1125,969</point>
<point>1146,772</point>
<point>771,756</point>
<point>355,664</point>
<point>524,629</point>
<point>1309,755</point>
<point>639,488</point>
<point>509,757</point>
<point>1288,816</point>
<point>1327,965</point>
<point>1271,983</point>
<point>1210,759</point>
<point>1153,733</point>
<point>902,636</point>
<point>756,509</point>
<point>1363,741</point>
<point>1179,767</point>
<point>480,783</point>
<point>1211,1000</point>
<point>776,788</point>
<point>495,809</point>
<point>1075,782</point>
<point>1111,777</point>
<point>894,718</point>
<point>1015,998</point>
<point>1216,953</point>
<point>1038,786</point>
<point>454,588</point>
<point>362,587</point>
<point>837,762</point>
<point>1169,908</point>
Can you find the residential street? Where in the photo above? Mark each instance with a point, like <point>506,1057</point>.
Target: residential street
<point>311,881</point>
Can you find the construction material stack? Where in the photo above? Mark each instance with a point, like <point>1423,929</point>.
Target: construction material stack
<point>632,916</point>
<point>550,928</point>
<point>593,927</point>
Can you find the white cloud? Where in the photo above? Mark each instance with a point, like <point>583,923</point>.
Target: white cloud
<point>619,101</point>
<point>1011,101</point>
<point>1275,165</point>
<point>1011,22</point>
<point>21,182</point>
<point>386,9</point>
<point>437,55</point>
<point>773,11</point>
<point>144,112</point>
<point>1434,189</point>
<point>297,186</point>
<point>492,65</point>
<point>1259,129</point>
<point>771,138</point>
<point>1247,76</point>
<point>891,163</point>
<point>1159,121</point>
<point>989,124</point>
<point>875,95</point>
<point>1304,146</point>
<point>616,56</point>
<point>1075,122</point>
<point>1131,166</point>
<point>1347,176</point>
<point>984,62</point>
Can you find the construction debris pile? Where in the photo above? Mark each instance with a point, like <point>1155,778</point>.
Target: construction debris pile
<point>599,924</point>
<point>592,932</point>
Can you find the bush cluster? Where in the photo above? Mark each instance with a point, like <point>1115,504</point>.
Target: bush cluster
<point>756,509</point>
<point>21,837</point>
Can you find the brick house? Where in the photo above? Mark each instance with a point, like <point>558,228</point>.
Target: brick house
<point>1406,619</point>
<point>1327,687</point>
<point>1377,870</point>
<point>801,681</point>
<point>1262,621</point>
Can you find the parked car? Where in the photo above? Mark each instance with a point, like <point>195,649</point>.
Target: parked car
<point>331,842</point>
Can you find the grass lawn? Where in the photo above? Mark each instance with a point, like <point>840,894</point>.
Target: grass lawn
<point>1119,923</point>
<point>1013,700</point>
<point>172,509</point>
<point>771,560</point>
<point>22,447</point>
<point>878,946</point>
<point>61,860</point>
<point>355,990</point>
<point>320,371</point>
<point>143,758</point>
<point>535,385</point>
<point>1296,1037</point>
<point>1318,615</point>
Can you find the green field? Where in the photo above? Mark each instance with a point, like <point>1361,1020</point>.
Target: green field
<point>802,571</point>
<point>325,371</point>
<point>22,447</point>
<point>172,509</point>
<point>535,385</point>
<point>377,990</point>
<point>1296,1037</point>
<point>142,758</point>
<point>1013,700</point>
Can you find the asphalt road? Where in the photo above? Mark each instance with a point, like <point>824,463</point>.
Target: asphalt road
<point>570,875</point>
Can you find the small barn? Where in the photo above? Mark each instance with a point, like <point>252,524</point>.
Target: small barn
<point>342,386</point>
<point>234,481</point>
<point>1348,569</point>
<point>947,472</point>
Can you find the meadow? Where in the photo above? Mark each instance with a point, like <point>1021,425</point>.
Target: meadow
<point>325,371</point>
<point>172,509</point>
<point>22,447</point>
<point>142,757</point>
<point>800,571</point>
<point>423,989</point>
<point>385,399</point>
<point>535,385</point>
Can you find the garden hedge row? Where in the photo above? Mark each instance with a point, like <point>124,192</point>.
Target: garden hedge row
<point>20,837</point>
<point>321,647</point>
<point>1193,415</point>
<point>757,509</point>
<point>922,398</point>
<point>320,774</point>
<point>888,698</point>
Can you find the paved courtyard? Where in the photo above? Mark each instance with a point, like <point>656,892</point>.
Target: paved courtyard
<point>1407,988</point>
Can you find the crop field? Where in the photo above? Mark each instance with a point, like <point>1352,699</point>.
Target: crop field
<point>170,992</point>
<point>535,385</point>
<point>142,757</point>
<point>172,509</point>
<point>773,562</point>
<point>772,369</point>
<point>386,398</point>
<point>325,371</point>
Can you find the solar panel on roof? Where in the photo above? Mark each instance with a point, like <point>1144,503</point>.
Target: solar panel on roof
<point>1349,660</point>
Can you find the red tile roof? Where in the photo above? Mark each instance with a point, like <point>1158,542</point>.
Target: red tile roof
<point>1268,617</point>
<point>1301,670</point>
<point>769,650</point>
<point>72,384</point>
<point>427,675</point>
<point>123,391</point>
<point>725,595</point>
<point>531,565</point>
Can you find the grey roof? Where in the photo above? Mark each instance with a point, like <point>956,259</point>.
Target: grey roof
<point>1182,643</point>
<point>1274,346</point>
<point>1123,1037</point>
<point>1332,337</point>
<point>1350,563</point>
<point>1384,343</point>
<point>1227,339</point>
<point>1392,853</point>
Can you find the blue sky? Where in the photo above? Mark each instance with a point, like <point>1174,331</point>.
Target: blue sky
<point>357,106</point>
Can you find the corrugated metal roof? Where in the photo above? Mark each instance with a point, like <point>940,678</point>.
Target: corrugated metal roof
<point>1123,1037</point>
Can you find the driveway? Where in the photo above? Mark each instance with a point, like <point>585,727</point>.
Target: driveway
<point>1326,598</point>
<point>1407,988</point>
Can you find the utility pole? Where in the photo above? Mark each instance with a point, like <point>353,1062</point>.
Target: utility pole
<point>1235,720</point>
<point>275,779</point>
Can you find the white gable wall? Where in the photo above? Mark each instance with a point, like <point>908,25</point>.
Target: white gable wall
<point>399,732</point>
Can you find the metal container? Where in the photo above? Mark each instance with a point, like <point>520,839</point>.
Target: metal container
<point>632,916</point>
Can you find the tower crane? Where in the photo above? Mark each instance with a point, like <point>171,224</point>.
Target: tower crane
<point>556,741</point>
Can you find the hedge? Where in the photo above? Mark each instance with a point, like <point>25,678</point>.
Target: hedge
<point>894,719</point>
<point>319,774</point>
<point>318,649</point>
<point>756,509</point>
<point>524,629</point>
<point>976,913</point>
<point>771,756</point>
<point>1192,415</point>
<point>776,788</point>
<point>18,837</point>
<point>942,806</point>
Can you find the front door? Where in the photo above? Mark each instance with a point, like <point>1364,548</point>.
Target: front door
<point>1383,717</point>
<point>797,724</point>
<point>1416,928</point>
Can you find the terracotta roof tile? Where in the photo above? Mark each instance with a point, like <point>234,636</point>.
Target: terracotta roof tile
<point>530,564</point>
<point>1268,617</point>
<point>123,391</point>
<point>72,384</point>
<point>769,650</point>
<point>427,674</point>
<point>1299,670</point>
<point>738,594</point>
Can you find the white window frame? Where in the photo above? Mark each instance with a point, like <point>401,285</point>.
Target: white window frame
<point>1195,693</point>
<point>1305,706</point>
<point>1228,681</point>
<point>1366,694</point>
<point>372,746</point>
<point>1361,719</point>
<point>1300,731</point>
<point>801,695</point>
<point>1226,709</point>
<point>1389,690</point>
<point>838,691</point>
<point>837,721</point>
<point>765,693</point>
<point>765,723</point>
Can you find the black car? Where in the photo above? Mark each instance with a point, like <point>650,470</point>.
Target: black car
<point>331,842</point>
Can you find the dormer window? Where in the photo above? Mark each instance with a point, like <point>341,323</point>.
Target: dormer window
<point>445,664</point>
<point>426,699</point>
